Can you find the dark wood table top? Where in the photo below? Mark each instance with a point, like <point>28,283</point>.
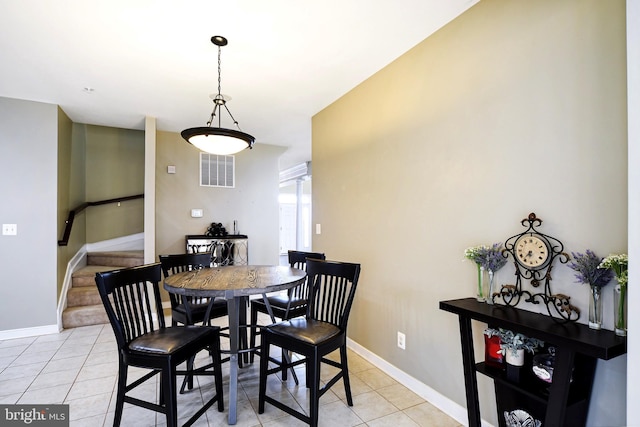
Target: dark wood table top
<point>237,280</point>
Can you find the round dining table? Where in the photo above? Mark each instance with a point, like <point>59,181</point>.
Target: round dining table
<point>234,283</point>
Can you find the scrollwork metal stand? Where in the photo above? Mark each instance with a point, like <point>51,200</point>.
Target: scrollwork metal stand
<point>556,304</point>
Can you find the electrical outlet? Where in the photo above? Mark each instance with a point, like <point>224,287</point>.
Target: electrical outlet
<point>9,229</point>
<point>401,340</point>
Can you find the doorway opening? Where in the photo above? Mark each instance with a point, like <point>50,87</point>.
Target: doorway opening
<point>295,216</point>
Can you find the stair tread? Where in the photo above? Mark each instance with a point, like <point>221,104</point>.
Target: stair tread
<point>91,270</point>
<point>84,306</point>
<point>83,295</point>
<point>83,290</point>
<point>84,315</point>
<point>85,277</point>
<point>118,254</point>
<point>116,258</point>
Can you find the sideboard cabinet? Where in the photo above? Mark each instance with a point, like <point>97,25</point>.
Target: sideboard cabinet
<point>232,249</point>
<point>564,402</point>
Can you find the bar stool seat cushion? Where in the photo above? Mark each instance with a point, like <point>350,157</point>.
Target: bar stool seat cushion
<point>306,330</point>
<point>169,340</point>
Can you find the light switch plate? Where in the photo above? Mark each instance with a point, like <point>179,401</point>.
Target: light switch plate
<point>9,229</point>
<point>171,169</point>
<point>196,213</point>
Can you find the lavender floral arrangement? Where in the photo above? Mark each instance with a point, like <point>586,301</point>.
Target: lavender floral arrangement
<point>493,260</point>
<point>490,258</point>
<point>473,253</point>
<point>487,258</point>
<point>587,271</point>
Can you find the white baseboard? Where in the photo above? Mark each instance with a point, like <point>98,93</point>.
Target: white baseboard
<point>438,400</point>
<point>78,261</point>
<point>28,332</point>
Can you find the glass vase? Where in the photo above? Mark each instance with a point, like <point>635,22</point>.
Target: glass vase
<point>595,307</point>
<point>490,287</point>
<point>620,309</point>
<point>480,290</point>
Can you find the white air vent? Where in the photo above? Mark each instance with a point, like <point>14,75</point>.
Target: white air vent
<point>217,171</point>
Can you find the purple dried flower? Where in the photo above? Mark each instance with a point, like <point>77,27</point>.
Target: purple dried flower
<point>492,258</point>
<point>587,271</point>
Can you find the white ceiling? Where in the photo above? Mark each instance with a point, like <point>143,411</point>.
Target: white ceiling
<point>286,59</point>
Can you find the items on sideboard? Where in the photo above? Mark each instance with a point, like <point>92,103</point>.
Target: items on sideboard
<point>565,401</point>
<point>227,250</point>
<point>619,263</point>
<point>216,230</point>
<point>493,355</point>
<point>533,254</point>
<point>488,260</point>
<point>505,349</point>
<point>543,364</point>
<point>512,347</point>
<point>520,418</point>
<point>587,271</point>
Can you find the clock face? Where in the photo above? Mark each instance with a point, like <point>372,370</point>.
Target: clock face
<point>531,251</point>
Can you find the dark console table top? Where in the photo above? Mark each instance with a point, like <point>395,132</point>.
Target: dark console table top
<point>602,344</point>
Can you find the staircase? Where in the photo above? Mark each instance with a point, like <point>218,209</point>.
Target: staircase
<point>84,306</point>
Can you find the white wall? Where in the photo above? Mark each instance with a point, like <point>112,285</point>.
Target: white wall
<point>28,194</point>
<point>633,113</point>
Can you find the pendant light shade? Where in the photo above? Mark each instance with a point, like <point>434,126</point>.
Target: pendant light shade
<point>218,140</point>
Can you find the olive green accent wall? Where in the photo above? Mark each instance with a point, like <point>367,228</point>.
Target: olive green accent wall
<point>78,187</point>
<point>97,163</point>
<point>514,107</point>
<point>114,168</point>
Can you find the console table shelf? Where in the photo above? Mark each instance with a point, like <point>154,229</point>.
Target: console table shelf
<point>562,403</point>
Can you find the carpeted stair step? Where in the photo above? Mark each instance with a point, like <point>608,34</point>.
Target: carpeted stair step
<point>84,315</point>
<point>86,276</point>
<point>116,258</point>
<point>84,306</point>
<point>83,295</point>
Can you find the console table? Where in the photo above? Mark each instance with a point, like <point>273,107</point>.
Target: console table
<point>564,402</point>
<point>232,249</point>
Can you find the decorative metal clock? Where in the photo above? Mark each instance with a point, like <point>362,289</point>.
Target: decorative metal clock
<point>533,255</point>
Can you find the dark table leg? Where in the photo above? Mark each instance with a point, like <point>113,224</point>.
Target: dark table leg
<point>559,389</point>
<point>469,364</point>
<point>233,307</point>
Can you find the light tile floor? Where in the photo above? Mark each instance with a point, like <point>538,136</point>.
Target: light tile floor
<point>79,367</point>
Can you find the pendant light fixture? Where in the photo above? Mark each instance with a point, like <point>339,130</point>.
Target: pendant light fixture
<point>218,140</point>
